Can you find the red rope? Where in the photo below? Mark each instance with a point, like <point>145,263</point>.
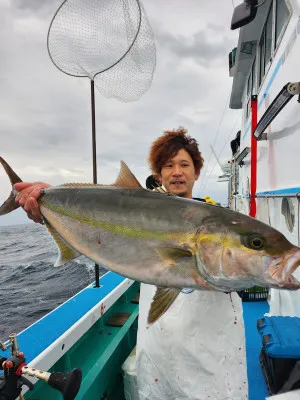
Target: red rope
<point>253,172</point>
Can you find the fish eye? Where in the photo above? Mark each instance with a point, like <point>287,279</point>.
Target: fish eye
<point>253,241</point>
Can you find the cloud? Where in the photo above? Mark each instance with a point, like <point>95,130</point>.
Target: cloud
<point>203,48</point>
<point>36,6</point>
<point>45,118</point>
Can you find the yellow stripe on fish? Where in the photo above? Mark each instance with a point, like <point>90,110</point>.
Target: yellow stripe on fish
<point>122,230</point>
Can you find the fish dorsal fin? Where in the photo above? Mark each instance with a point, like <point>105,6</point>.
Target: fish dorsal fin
<point>66,253</point>
<point>126,178</point>
<point>162,300</point>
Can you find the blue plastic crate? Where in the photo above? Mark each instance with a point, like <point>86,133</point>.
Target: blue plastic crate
<point>280,351</point>
<point>280,336</point>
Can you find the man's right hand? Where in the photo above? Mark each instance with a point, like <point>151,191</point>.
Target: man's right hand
<point>27,198</point>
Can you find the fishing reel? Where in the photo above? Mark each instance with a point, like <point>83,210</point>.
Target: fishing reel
<point>15,367</point>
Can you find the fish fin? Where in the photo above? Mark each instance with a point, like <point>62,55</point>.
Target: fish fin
<point>162,301</point>
<point>126,178</point>
<point>66,253</point>
<point>13,177</point>
<point>9,204</point>
<point>172,254</point>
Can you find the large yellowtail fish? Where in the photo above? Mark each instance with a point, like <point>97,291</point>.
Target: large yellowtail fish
<point>163,240</point>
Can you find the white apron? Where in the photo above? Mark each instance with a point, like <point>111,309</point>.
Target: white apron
<point>195,351</point>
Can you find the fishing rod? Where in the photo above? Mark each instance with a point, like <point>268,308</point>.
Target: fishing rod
<point>14,367</point>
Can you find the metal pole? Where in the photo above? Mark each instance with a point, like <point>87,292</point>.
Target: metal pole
<point>97,274</point>
<point>94,132</point>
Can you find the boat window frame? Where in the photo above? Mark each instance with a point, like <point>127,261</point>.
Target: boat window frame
<point>251,88</point>
<point>249,84</point>
<point>267,65</point>
<point>254,76</point>
<point>261,57</point>
<point>279,39</point>
<point>248,107</point>
<point>254,80</point>
<point>274,46</point>
<point>270,60</point>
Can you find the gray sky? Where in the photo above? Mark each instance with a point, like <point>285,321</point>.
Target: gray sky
<point>45,117</point>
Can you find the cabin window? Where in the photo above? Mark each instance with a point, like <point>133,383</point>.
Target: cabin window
<point>249,84</point>
<point>251,88</point>
<point>248,108</point>
<point>232,57</point>
<point>254,77</point>
<point>274,26</point>
<point>288,211</point>
<point>265,45</point>
<point>268,37</point>
<point>262,58</point>
<point>282,16</point>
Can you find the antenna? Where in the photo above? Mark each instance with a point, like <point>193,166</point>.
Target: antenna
<point>212,149</point>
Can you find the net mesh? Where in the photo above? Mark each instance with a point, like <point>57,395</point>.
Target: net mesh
<point>108,41</point>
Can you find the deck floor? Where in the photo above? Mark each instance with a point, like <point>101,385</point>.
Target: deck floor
<point>252,312</point>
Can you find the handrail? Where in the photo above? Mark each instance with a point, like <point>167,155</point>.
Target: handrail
<point>284,96</point>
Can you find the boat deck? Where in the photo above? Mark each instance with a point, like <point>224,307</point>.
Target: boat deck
<point>252,312</point>
<point>36,338</point>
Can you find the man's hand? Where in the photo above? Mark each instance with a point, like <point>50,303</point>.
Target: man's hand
<point>27,198</point>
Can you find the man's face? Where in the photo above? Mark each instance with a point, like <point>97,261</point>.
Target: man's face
<point>178,174</point>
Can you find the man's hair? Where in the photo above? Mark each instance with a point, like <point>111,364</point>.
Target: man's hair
<point>168,145</point>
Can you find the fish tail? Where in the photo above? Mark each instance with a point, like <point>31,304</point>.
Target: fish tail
<point>9,204</point>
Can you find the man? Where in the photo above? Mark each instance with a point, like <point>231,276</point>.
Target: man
<point>196,350</point>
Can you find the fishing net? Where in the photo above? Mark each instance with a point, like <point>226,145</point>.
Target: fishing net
<point>109,41</point>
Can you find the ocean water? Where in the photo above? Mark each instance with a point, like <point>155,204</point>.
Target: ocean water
<point>30,286</point>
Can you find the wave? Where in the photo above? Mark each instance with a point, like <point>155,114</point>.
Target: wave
<point>30,286</point>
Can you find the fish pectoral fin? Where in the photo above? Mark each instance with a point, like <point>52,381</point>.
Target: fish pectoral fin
<point>173,254</point>
<point>126,178</point>
<point>162,300</point>
<point>66,253</point>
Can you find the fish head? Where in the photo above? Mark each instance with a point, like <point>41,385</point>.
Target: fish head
<point>241,252</point>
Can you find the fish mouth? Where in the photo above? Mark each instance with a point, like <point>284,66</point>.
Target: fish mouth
<point>291,266</point>
<point>282,270</point>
